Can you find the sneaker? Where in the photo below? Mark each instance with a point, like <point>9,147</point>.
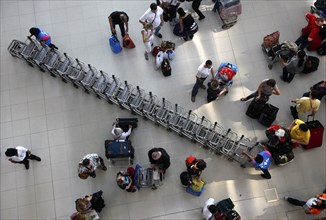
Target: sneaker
<point>38,159</point>
<point>243,99</point>
<point>146,56</point>
<point>201,18</point>
<point>263,175</point>
<point>104,168</point>
<point>27,166</point>
<point>203,87</point>
<point>193,98</point>
<point>159,35</point>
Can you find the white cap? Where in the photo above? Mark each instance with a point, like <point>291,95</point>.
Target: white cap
<point>280,133</point>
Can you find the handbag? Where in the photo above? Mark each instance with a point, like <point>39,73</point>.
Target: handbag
<point>127,42</point>
<point>115,44</point>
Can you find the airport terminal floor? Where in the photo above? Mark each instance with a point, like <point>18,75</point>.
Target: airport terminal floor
<point>61,124</point>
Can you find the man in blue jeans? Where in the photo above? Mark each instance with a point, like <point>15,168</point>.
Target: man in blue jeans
<point>203,72</point>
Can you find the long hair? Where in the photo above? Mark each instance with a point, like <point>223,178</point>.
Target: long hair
<point>301,55</point>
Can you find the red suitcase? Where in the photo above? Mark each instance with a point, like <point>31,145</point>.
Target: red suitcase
<point>316,134</point>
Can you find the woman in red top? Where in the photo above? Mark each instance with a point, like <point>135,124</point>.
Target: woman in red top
<point>310,34</point>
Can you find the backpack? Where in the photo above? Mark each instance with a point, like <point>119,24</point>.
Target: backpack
<point>169,54</point>
<point>226,74</point>
<point>311,64</point>
<point>127,42</point>
<point>166,68</point>
<point>155,50</point>
<point>190,160</point>
<point>271,40</point>
<point>115,44</point>
<point>185,178</point>
<point>167,45</point>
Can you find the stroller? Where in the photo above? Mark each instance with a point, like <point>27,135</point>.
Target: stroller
<point>147,177</point>
<point>228,11</point>
<point>226,210</point>
<point>273,49</point>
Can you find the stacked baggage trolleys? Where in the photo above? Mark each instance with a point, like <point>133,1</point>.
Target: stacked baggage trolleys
<point>211,136</point>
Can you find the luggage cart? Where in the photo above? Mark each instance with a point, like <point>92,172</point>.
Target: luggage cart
<point>16,47</point>
<point>40,56</point>
<point>228,11</point>
<point>218,139</point>
<point>253,150</point>
<point>28,52</point>
<point>50,61</point>
<point>100,84</point>
<point>111,88</point>
<point>148,106</point>
<point>135,99</point>
<point>89,78</point>
<point>75,73</point>
<point>203,130</point>
<point>63,66</point>
<point>174,118</point>
<point>147,177</point>
<point>162,112</point>
<point>123,94</point>
<point>186,124</point>
<point>229,143</point>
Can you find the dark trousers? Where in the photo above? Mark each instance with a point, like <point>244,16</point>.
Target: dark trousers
<point>122,27</point>
<point>302,42</point>
<point>294,112</point>
<point>267,175</point>
<point>287,76</point>
<point>296,202</point>
<point>27,158</point>
<point>263,98</point>
<point>199,83</point>
<point>195,5</point>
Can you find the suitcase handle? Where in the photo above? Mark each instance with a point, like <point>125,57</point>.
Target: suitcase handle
<point>313,117</point>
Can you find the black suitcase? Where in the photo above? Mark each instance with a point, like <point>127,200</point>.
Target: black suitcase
<point>311,64</point>
<point>268,115</point>
<point>118,149</point>
<point>124,123</point>
<point>166,67</point>
<point>255,108</point>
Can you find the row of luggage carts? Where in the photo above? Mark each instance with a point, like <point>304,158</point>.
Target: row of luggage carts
<point>212,136</point>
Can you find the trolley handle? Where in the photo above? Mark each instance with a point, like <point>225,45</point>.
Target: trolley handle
<point>227,132</point>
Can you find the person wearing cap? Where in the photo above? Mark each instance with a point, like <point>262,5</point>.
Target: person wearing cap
<point>299,132</point>
<point>305,104</point>
<point>261,161</point>
<point>158,157</point>
<point>21,155</point>
<point>209,209</point>
<point>314,205</point>
<point>119,18</point>
<point>154,16</point>
<point>119,134</point>
<point>266,88</point>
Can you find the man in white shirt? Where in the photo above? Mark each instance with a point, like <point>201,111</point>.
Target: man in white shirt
<point>209,209</point>
<point>203,72</point>
<point>89,164</point>
<point>154,16</point>
<point>21,155</point>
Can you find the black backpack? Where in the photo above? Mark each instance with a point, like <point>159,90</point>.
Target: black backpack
<point>166,68</point>
<point>185,178</point>
<point>311,64</point>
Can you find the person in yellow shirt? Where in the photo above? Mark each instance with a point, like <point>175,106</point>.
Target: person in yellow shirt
<point>305,104</point>
<point>299,132</point>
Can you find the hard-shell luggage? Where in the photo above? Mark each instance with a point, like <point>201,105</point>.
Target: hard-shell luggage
<point>156,50</point>
<point>115,44</point>
<point>268,115</point>
<point>185,178</point>
<point>255,108</point>
<point>166,68</point>
<point>316,134</point>
<point>159,59</point>
<point>127,42</point>
<point>225,205</point>
<point>311,64</point>
<point>119,149</point>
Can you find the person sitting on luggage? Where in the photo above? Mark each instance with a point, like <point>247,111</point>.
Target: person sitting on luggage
<point>261,161</point>
<point>119,134</point>
<point>209,209</point>
<point>299,132</point>
<point>195,167</point>
<point>293,66</point>
<point>43,37</point>
<point>186,27</point>
<point>310,37</point>
<point>125,180</point>
<point>305,104</point>
<point>225,74</point>
<point>119,18</point>
<point>89,164</point>
<point>159,158</point>
<point>265,89</point>
<point>319,89</point>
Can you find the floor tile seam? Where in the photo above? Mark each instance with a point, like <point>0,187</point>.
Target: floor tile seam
<point>173,213</point>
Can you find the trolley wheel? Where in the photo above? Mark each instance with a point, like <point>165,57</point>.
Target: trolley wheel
<point>243,165</point>
<point>109,101</point>
<point>30,64</point>
<point>180,134</point>
<point>154,187</point>
<point>86,91</point>
<point>76,86</point>
<point>64,80</point>
<point>133,112</point>
<point>131,161</point>
<point>41,69</point>
<point>193,140</point>
<point>97,96</point>
<point>53,75</point>
<point>230,159</point>
<point>169,129</point>
<point>205,147</point>
<point>218,153</point>
<point>270,66</point>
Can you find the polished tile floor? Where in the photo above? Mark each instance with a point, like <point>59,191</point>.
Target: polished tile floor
<point>62,124</point>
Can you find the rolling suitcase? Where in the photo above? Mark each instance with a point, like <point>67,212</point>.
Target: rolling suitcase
<point>119,149</point>
<point>124,123</point>
<point>268,115</point>
<point>311,64</point>
<point>255,108</point>
<point>316,134</point>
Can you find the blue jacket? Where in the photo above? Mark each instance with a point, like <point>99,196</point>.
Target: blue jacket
<point>43,36</point>
<point>266,161</point>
